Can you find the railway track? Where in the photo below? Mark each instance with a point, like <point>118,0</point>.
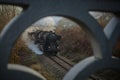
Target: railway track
<point>62,64</point>
<point>66,65</point>
<point>55,66</point>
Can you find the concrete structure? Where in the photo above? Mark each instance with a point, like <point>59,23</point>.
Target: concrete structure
<point>78,10</point>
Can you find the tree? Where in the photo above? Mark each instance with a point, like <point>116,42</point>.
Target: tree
<point>7,12</point>
<point>104,19</point>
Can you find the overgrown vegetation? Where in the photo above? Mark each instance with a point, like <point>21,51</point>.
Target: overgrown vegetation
<point>20,53</point>
<point>7,12</point>
<point>74,44</point>
<point>104,19</point>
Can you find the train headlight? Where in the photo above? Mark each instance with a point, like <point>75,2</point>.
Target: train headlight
<point>48,46</point>
<point>58,47</point>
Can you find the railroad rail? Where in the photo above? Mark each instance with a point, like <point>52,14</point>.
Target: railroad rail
<point>54,65</point>
<point>57,61</point>
<point>61,63</point>
<point>66,64</point>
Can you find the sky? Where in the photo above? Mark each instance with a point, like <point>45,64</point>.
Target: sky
<point>53,20</point>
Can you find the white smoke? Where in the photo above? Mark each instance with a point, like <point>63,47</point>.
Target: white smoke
<point>47,21</point>
<point>29,42</point>
<point>35,48</point>
<point>45,24</point>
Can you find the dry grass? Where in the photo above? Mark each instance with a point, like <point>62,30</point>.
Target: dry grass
<point>22,55</point>
<point>18,49</point>
<point>42,70</point>
<point>74,43</point>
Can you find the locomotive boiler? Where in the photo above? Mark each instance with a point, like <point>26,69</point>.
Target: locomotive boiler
<point>47,41</point>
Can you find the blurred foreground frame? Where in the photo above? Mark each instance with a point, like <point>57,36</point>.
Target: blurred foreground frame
<point>102,41</point>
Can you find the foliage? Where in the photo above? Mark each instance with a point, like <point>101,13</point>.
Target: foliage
<point>104,19</point>
<point>74,43</point>
<point>7,12</point>
<point>41,69</point>
<point>17,51</point>
<point>21,54</point>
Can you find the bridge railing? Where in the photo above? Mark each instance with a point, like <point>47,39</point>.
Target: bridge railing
<point>78,10</point>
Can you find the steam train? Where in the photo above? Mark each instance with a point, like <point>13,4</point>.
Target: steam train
<point>47,41</point>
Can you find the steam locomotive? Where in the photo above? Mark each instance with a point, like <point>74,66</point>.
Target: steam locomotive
<point>47,41</point>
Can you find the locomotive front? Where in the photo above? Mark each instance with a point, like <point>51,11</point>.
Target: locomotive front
<point>47,41</point>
